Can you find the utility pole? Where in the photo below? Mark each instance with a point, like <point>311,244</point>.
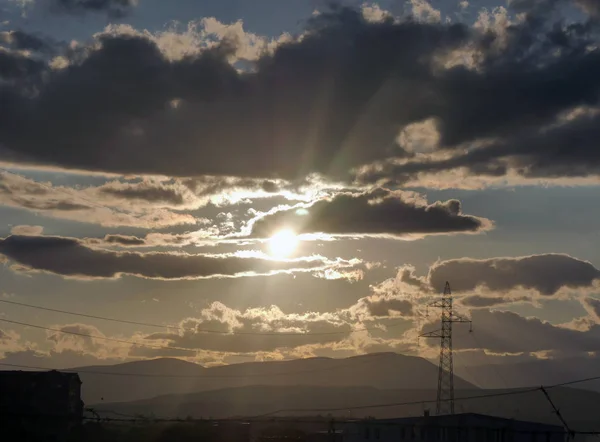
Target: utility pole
<point>445,391</point>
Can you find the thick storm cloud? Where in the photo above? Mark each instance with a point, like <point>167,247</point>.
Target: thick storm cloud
<point>378,212</point>
<point>546,274</point>
<point>70,257</point>
<point>329,102</point>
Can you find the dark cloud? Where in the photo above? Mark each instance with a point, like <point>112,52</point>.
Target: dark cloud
<point>508,332</point>
<point>26,41</point>
<point>84,205</point>
<point>377,212</point>
<point>590,7</point>
<point>312,106</point>
<point>383,306</point>
<point>594,305</point>
<point>15,66</point>
<point>546,274</point>
<point>113,8</point>
<point>490,301</point>
<point>567,150</point>
<point>70,257</point>
<point>327,103</point>
<point>145,192</point>
<point>124,240</point>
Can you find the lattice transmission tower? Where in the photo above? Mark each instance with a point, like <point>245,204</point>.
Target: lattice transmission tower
<point>445,391</point>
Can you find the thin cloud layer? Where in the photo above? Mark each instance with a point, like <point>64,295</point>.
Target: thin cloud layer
<point>71,258</point>
<point>379,212</point>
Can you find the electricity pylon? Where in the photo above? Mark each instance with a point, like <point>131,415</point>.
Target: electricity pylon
<point>445,391</point>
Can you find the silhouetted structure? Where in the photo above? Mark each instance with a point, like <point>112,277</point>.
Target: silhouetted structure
<point>467,427</point>
<point>445,390</point>
<point>36,406</point>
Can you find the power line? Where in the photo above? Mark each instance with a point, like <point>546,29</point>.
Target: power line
<point>395,404</point>
<point>150,375</point>
<point>106,338</point>
<point>197,330</point>
<point>263,417</point>
<point>578,381</point>
<point>398,404</point>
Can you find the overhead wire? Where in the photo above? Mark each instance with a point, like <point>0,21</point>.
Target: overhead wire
<point>464,398</point>
<point>105,338</point>
<point>268,417</point>
<point>197,330</point>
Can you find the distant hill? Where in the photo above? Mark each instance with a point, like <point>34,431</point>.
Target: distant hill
<point>379,370</point>
<point>540,372</point>
<point>578,407</point>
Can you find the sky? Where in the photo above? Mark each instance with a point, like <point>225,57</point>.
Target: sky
<point>228,181</point>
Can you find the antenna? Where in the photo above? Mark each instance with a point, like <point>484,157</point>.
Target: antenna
<point>445,391</point>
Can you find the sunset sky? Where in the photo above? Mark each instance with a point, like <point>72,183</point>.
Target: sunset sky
<point>231,180</point>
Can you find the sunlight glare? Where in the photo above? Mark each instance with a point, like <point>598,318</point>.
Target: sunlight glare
<point>283,243</point>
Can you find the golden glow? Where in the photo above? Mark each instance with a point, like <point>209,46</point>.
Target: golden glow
<point>283,243</point>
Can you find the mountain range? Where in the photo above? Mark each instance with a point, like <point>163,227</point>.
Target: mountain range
<point>146,379</point>
<point>176,388</point>
<point>532,373</point>
<point>578,407</point>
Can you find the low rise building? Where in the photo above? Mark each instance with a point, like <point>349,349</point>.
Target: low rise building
<point>466,427</point>
<point>40,405</point>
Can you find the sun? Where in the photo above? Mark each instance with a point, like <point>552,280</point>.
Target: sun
<point>283,243</point>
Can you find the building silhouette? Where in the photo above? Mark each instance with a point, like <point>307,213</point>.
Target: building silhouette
<point>39,406</point>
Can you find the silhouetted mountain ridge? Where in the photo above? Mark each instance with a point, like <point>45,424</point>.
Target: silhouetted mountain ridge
<point>532,373</point>
<point>577,406</point>
<point>144,379</point>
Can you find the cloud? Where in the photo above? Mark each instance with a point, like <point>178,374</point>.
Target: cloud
<point>508,332</point>
<point>593,306</point>
<point>27,230</point>
<point>198,238</point>
<point>545,154</point>
<point>379,212</point>
<point>267,320</point>
<point>17,68</point>
<point>85,339</point>
<point>479,301</point>
<point>124,240</point>
<point>546,274</point>
<point>235,331</point>
<point>173,194</point>
<point>71,258</point>
<point>384,306</point>
<point>21,40</point>
<point>422,10</point>
<point>320,102</point>
<point>113,8</point>
<point>190,104</point>
<point>92,205</point>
